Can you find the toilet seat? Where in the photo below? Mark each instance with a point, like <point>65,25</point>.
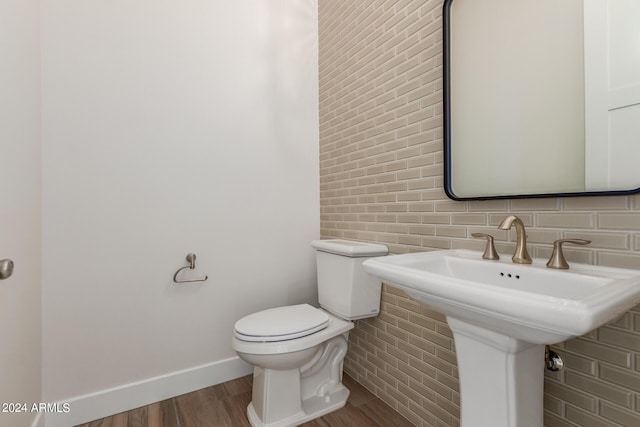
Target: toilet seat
<point>281,324</point>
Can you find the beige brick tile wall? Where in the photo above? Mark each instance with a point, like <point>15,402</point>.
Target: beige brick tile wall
<point>381,181</point>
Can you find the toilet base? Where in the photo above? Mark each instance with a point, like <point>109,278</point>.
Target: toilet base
<point>290,397</point>
<point>312,408</point>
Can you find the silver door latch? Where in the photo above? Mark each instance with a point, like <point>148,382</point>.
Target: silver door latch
<point>6,269</point>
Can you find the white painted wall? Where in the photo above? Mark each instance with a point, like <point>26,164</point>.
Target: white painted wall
<point>172,127</point>
<point>20,318</point>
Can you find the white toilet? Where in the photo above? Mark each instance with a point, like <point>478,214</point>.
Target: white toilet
<point>297,350</point>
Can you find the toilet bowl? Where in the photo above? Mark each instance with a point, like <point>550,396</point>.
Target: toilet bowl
<point>296,379</point>
<point>298,350</point>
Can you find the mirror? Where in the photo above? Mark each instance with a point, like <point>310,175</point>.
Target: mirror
<point>541,98</point>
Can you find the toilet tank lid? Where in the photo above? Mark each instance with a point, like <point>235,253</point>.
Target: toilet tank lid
<point>350,248</point>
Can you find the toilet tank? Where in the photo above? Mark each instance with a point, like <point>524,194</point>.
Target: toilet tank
<point>344,288</point>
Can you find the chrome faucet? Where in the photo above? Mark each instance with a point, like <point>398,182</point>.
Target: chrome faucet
<point>520,256</point>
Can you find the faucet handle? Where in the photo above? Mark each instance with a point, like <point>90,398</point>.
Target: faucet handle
<point>490,250</point>
<point>557,257</point>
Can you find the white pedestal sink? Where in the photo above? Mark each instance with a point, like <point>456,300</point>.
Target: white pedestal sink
<point>502,315</point>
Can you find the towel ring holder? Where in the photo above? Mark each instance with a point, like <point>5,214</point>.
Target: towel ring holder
<point>191,260</point>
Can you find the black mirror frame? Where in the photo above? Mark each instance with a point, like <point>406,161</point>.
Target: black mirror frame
<point>446,88</point>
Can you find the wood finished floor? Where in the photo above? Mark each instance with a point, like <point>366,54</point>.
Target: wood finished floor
<point>225,405</point>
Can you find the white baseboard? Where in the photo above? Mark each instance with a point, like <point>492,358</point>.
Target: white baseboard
<point>103,403</point>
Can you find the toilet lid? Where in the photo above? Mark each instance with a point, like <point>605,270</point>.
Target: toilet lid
<point>281,323</point>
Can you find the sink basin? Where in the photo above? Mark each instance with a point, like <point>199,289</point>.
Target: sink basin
<point>529,302</point>
<point>502,314</point>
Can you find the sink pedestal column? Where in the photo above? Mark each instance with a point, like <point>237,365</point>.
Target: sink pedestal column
<point>501,378</point>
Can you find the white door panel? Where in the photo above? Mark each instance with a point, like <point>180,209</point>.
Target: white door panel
<point>20,308</point>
